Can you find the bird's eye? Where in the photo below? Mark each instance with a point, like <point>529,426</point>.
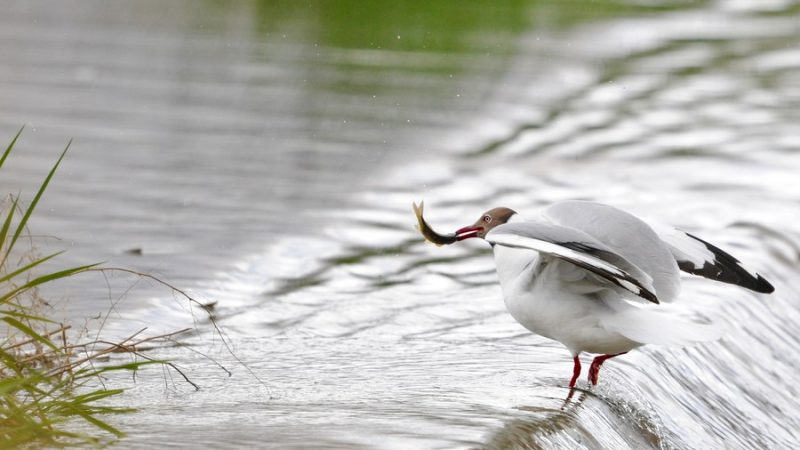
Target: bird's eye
<point>487,218</point>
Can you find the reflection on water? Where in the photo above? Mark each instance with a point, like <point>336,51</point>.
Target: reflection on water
<point>569,426</point>
<point>265,155</point>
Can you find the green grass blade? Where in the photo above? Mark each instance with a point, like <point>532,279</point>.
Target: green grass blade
<point>43,279</point>
<point>93,372</point>
<point>7,224</point>
<point>10,362</point>
<point>11,312</point>
<point>10,146</point>
<point>11,385</point>
<point>96,395</point>
<point>27,330</point>
<point>28,267</point>
<point>34,202</point>
<point>93,420</point>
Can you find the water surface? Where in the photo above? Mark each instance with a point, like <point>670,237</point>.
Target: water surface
<point>264,155</point>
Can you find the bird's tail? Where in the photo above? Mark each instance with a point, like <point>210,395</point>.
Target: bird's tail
<point>661,328</point>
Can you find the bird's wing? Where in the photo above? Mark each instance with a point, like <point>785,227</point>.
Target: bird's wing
<point>625,235</point>
<point>698,257</point>
<point>577,248</point>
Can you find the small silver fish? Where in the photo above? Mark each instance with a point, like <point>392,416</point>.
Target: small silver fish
<point>427,231</point>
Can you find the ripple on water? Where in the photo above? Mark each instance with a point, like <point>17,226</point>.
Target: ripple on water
<point>369,338</point>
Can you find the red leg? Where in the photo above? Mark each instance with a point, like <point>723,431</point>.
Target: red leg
<point>594,369</point>
<point>576,372</point>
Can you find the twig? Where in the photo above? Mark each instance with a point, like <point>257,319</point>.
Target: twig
<point>30,341</point>
<point>89,357</point>
<point>114,347</point>
<point>160,361</point>
<point>64,341</point>
<point>179,344</point>
<point>192,300</point>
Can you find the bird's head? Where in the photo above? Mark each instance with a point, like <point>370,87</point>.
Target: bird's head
<point>487,221</point>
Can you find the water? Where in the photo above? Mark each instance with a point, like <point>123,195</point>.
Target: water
<point>264,155</point>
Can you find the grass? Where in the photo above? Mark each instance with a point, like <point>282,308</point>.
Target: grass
<point>47,382</point>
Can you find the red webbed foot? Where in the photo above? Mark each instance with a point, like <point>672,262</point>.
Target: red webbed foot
<point>576,371</point>
<point>594,369</point>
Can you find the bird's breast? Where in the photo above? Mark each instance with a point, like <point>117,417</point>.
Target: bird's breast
<point>514,264</point>
<point>538,296</point>
<point>524,290</point>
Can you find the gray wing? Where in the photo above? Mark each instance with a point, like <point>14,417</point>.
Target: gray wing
<point>699,257</point>
<point>626,235</point>
<point>578,248</point>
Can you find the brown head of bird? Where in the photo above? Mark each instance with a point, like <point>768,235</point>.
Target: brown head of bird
<point>487,221</point>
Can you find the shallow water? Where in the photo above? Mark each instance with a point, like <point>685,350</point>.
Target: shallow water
<point>265,156</point>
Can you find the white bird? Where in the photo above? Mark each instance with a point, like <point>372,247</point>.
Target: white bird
<point>577,274</point>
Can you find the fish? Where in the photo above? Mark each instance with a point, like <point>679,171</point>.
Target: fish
<point>426,230</point>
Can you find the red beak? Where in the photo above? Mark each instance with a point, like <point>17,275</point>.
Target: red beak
<point>467,232</point>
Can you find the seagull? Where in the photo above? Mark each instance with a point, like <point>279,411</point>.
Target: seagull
<point>591,277</point>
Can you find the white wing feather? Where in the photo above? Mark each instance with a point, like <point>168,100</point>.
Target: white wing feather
<point>641,288</point>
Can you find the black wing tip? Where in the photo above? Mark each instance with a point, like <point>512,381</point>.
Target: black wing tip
<point>652,298</point>
<point>755,283</point>
<point>649,296</point>
<point>735,273</point>
<point>643,291</point>
<point>762,285</point>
